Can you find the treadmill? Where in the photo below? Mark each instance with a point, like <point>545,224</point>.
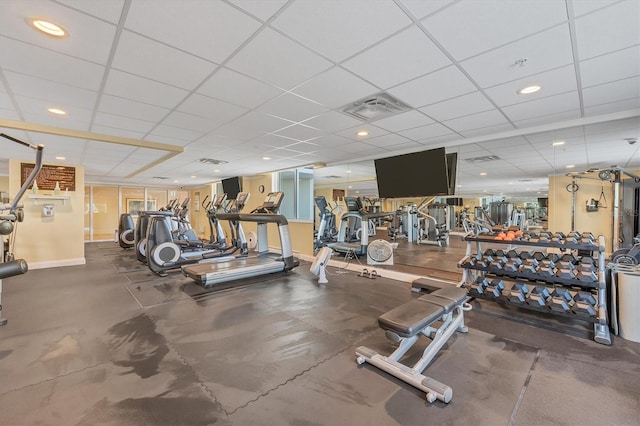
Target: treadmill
<point>355,211</point>
<point>209,274</point>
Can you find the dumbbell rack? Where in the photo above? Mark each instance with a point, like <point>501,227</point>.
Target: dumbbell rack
<point>477,278</point>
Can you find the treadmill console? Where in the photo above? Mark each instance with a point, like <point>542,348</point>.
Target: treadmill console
<point>354,204</point>
<point>271,204</point>
<point>241,200</point>
<point>217,202</point>
<point>321,203</point>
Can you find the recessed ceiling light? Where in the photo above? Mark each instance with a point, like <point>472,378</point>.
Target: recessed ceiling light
<point>57,111</point>
<point>362,133</point>
<point>193,177</point>
<point>216,171</point>
<point>266,158</point>
<point>176,181</point>
<point>357,192</point>
<point>459,186</point>
<point>529,89</point>
<point>348,171</point>
<point>483,174</point>
<point>570,166</point>
<point>60,158</point>
<point>350,186</point>
<point>510,183</point>
<point>558,143</point>
<point>48,27</point>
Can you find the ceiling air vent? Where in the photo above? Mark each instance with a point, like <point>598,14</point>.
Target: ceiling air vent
<point>375,107</point>
<point>160,177</point>
<point>482,159</point>
<point>212,161</point>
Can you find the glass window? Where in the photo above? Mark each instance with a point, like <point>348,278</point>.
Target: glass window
<point>297,186</point>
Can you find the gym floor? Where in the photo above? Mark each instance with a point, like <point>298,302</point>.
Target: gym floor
<point>110,343</point>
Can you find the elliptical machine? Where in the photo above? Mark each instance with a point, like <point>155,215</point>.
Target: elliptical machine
<point>327,231</point>
<point>9,266</point>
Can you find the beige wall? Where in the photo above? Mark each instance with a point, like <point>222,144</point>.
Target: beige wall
<point>50,241</point>
<point>598,223</point>
<point>199,220</point>
<point>4,183</point>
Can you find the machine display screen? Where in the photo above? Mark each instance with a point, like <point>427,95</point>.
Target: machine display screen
<point>417,174</point>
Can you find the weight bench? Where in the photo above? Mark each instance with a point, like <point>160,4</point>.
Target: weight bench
<point>406,323</point>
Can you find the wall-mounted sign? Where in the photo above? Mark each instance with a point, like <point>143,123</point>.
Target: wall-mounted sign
<point>49,175</point>
<point>338,194</point>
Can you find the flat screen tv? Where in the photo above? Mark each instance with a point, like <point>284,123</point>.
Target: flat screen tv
<point>418,174</point>
<point>231,187</point>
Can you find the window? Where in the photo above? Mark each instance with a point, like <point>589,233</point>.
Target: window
<point>297,186</point>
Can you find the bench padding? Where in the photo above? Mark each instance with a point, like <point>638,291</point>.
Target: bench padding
<point>410,318</point>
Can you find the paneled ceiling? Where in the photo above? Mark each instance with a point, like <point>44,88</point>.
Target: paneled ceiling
<point>246,80</point>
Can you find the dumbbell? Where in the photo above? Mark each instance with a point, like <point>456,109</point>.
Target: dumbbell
<point>529,266</point>
<point>499,253</point>
<point>524,254</point>
<point>585,304</point>
<point>469,262</point>
<point>544,237</point>
<point>518,293</point>
<point>565,267</point>
<point>547,267</point>
<point>572,237</point>
<point>511,254</point>
<point>478,286</point>
<point>538,255</point>
<point>539,296</point>
<point>558,238</point>
<point>494,289</point>
<point>587,238</point>
<point>561,300</point>
<point>512,265</point>
<point>489,252</point>
<point>587,272</point>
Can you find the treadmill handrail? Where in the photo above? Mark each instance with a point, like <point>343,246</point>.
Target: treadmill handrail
<point>254,217</point>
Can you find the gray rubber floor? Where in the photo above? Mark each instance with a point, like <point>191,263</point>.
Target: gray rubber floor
<point>109,343</point>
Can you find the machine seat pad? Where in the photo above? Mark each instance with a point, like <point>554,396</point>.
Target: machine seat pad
<point>410,318</point>
<point>448,297</point>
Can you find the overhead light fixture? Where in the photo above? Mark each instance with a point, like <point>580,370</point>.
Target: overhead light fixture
<point>212,161</point>
<point>57,111</point>
<point>570,166</point>
<point>558,143</point>
<point>266,158</point>
<point>529,89</point>
<point>193,177</point>
<point>216,171</point>
<point>350,187</point>
<point>483,174</point>
<point>47,27</point>
<point>176,181</point>
<point>362,133</point>
<point>348,171</point>
<point>60,158</point>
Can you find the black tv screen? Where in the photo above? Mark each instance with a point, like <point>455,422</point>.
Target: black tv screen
<point>231,187</point>
<point>418,174</point>
<point>452,169</point>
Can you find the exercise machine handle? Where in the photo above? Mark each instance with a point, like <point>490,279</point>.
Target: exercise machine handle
<point>36,169</point>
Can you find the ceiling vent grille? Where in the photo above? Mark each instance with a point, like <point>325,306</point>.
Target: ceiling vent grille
<point>482,159</point>
<point>375,107</point>
<point>212,161</point>
<point>160,177</point>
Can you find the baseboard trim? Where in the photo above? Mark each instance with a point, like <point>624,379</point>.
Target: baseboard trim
<point>57,263</point>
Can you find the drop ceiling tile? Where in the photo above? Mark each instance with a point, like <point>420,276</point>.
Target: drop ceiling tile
<point>49,120</point>
<point>332,121</point>
<point>115,105</point>
<point>9,114</point>
<point>55,93</point>
<point>304,147</point>
<point>52,66</point>
<point>332,141</point>
<point>488,130</point>
<point>612,107</point>
<point>107,10</point>
<point>251,125</point>
<point>425,132</point>
<point>403,121</point>
<point>544,51</point>
<point>331,31</point>
<point>582,7</point>
<point>271,141</point>
<point>299,132</point>
<point>39,106</point>
<point>217,112</point>
<point>123,133</point>
<point>362,149</point>
<point>322,88</point>
<point>421,8</point>
<point>143,90</point>
<point>389,141</point>
<point>237,89</point>
<point>259,8</point>
<point>120,121</point>
<point>614,66</point>
<point>444,84</point>
<point>611,92</point>
<point>177,133</point>
<point>156,61</point>
<point>90,38</point>
<point>476,121</point>
<point>559,80</point>
<point>168,139</point>
<point>498,22</point>
<point>351,133</point>
<point>544,106</point>
<point>458,107</point>
<point>189,121</point>
<point>570,114</point>
<point>402,57</point>
<point>225,27</point>
<point>291,107</point>
<point>264,56</point>
<point>612,28</point>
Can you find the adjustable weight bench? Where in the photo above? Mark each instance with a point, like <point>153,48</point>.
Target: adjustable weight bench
<point>406,323</point>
